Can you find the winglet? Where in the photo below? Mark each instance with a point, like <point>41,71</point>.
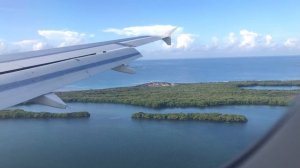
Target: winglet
<point>167,36</point>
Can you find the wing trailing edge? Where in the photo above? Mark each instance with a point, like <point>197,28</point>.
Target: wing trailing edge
<point>33,76</point>
<point>51,100</point>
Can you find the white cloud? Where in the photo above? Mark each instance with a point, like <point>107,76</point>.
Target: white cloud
<point>268,40</point>
<point>291,43</point>
<point>215,43</point>
<point>184,41</point>
<point>157,30</point>
<point>215,40</point>
<point>248,39</point>
<point>63,38</point>
<point>27,45</point>
<point>239,43</point>
<point>48,39</point>
<point>231,38</point>
<point>39,46</point>
<point>2,46</point>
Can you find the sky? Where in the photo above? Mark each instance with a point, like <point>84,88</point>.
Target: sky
<point>205,28</point>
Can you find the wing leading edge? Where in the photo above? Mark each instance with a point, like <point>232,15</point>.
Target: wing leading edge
<point>32,76</point>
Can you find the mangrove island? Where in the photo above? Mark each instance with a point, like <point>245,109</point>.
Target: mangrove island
<point>216,117</point>
<point>21,114</point>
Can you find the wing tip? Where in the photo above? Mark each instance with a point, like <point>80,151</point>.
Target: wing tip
<point>167,36</point>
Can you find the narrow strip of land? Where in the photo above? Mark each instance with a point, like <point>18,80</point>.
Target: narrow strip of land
<point>21,114</point>
<point>216,117</point>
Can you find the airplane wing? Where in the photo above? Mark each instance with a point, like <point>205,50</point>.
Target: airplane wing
<point>32,76</point>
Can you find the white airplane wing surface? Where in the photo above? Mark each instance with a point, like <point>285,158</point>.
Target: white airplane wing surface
<point>32,76</point>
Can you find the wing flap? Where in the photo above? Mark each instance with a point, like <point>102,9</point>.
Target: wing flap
<point>49,99</point>
<point>27,84</point>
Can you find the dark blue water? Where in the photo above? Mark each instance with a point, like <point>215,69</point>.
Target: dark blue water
<point>198,70</point>
<point>111,139</point>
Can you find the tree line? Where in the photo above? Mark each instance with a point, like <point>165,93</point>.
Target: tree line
<point>15,114</point>
<point>189,95</point>
<point>216,117</point>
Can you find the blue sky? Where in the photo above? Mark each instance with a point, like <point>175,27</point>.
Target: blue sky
<point>207,28</point>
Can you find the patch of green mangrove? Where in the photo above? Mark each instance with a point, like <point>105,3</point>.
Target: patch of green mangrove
<point>190,95</point>
<point>21,114</point>
<point>216,117</point>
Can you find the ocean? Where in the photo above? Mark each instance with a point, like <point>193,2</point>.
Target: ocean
<point>197,70</point>
<point>111,139</point>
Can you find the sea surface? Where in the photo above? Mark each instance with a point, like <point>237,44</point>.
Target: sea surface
<point>197,70</point>
<point>111,139</point>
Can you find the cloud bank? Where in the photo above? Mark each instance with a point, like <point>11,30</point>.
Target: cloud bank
<point>27,45</point>
<point>47,39</point>
<point>248,39</point>
<point>2,46</point>
<point>183,40</point>
<point>292,43</point>
<point>155,30</point>
<point>185,44</point>
<point>63,38</point>
<point>243,41</point>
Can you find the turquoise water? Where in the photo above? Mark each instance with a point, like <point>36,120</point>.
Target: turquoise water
<point>111,139</point>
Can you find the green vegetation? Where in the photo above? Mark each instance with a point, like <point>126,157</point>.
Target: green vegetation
<point>13,114</point>
<point>216,117</point>
<point>190,95</point>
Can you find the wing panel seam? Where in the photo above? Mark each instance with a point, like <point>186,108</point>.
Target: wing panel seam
<point>52,75</point>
